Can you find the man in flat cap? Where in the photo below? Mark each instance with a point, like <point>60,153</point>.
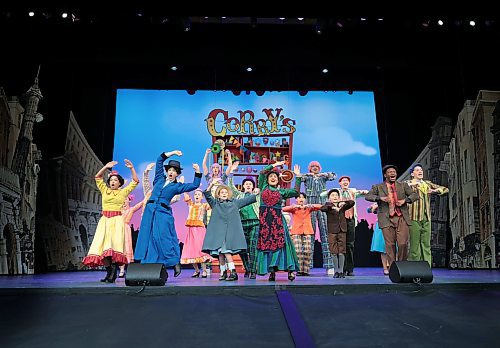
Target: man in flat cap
<point>394,219</point>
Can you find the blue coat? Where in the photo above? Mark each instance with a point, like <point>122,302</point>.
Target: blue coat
<point>157,241</point>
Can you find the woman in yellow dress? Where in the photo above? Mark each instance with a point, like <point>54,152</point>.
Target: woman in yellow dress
<point>108,245</point>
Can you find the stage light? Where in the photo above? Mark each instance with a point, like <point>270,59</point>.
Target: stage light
<point>64,15</point>
<point>318,29</point>
<point>300,19</point>
<point>363,19</point>
<point>380,19</point>
<point>472,23</point>
<point>440,22</point>
<point>324,71</point>
<point>249,69</point>
<point>173,68</point>
<point>31,13</point>
<point>223,17</point>
<point>282,19</point>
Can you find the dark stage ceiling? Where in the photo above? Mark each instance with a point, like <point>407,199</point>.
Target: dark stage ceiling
<point>418,69</point>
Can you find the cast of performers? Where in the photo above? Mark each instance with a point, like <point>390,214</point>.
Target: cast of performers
<point>128,213</point>
<point>315,183</point>
<point>107,247</point>
<point>191,252</point>
<point>393,198</point>
<point>302,232</point>
<point>420,214</point>
<point>249,219</point>
<point>378,243</point>
<point>337,229</point>
<point>157,241</point>
<point>275,250</point>
<point>225,236</point>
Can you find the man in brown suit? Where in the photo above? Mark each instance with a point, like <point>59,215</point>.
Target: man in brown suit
<point>393,198</point>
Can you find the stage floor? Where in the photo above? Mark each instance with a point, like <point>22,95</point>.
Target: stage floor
<point>318,278</point>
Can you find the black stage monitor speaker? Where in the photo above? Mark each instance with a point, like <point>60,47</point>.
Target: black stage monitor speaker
<point>146,274</point>
<point>410,272</point>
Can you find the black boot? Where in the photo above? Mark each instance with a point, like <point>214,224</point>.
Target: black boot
<point>223,276</point>
<point>272,277</point>
<point>108,274</point>
<point>291,276</point>
<point>232,276</point>
<point>177,270</point>
<point>114,273</point>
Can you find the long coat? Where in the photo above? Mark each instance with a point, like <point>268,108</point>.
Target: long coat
<point>225,224</point>
<point>336,220</point>
<point>157,241</point>
<point>403,191</point>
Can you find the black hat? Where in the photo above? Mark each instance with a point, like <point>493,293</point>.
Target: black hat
<point>387,166</point>
<point>174,164</point>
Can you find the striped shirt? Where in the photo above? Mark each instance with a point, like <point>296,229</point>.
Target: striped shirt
<point>420,210</point>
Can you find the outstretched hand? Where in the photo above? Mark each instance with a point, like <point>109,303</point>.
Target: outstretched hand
<point>181,179</point>
<point>128,164</point>
<point>196,167</point>
<point>234,167</point>
<point>296,170</point>
<point>150,167</point>
<point>111,164</point>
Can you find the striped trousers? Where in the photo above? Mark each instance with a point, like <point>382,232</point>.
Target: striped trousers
<point>251,231</point>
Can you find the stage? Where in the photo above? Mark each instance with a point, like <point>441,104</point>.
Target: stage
<point>458,309</point>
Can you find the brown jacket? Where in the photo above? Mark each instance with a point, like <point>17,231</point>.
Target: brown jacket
<point>336,218</point>
<point>403,191</point>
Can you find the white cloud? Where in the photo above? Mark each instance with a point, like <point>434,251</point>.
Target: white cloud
<point>331,141</point>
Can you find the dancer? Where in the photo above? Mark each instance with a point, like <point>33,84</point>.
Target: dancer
<point>249,219</point>
<point>420,213</point>
<point>157,241</point>
<point>215,176</point>
<point>337,229</point>
<point>302,232</point>
<point>107,247</point>
<point>225,236</point>
<point>378,243</point>
<point>315,184</point>
<point>393,198</point>
<point>275,250</point>
<point>191,252</point>
<point>351,216</point>
<point>147,188</point>
<point>128,213</point>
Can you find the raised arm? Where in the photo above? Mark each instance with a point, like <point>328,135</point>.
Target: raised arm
<point>146,184</point>
<point>204,164</point>
<point>195,184</point>
<point>107,166</point>
<point>229,161</point>
<point>130,166</point>
<point>208,196</point>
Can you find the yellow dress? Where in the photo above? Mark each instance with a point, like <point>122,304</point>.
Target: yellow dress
<point>109,237</point>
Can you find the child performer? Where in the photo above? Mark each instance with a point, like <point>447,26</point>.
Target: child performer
<point>275,251</point>
<point>337,229</point>
<point>225,235</point>
<point>128,213</point>
<point>191,252</point>
<point>108,243</point>
<point>249,219</point>
<point>215,176</point>
<point>302,232</point>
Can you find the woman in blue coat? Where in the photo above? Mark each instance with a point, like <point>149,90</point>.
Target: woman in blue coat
<point>157,241</point>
